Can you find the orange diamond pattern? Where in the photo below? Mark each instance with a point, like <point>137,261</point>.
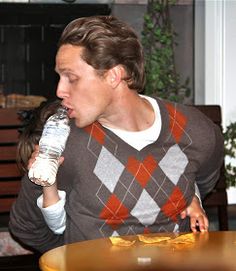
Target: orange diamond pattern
<point>177,122</point>
<point>142,170</point>
<point>114,212</point>
<point>146,230</point>
<point>96,131</point>
<point>175,202</point>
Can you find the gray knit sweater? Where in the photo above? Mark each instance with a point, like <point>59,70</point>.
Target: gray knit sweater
<point>114,189</point>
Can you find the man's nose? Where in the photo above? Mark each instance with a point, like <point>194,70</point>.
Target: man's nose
<point>61,92</point>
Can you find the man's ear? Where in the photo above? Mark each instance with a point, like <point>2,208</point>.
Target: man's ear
<point>115,75</point>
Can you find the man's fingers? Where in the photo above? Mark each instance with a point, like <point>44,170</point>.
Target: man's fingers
<point>193,224</point>
<point>183,214</point>
<point>199,223</point>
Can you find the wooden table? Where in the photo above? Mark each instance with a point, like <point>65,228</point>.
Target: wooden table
<point>213,251</point>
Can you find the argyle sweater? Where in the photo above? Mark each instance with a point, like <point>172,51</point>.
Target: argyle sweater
<point>113,189</point>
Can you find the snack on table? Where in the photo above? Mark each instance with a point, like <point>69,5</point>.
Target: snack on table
<point>118,241</point>
<point>186,239</point>
<point>183,239</point>
<point>152,239</point>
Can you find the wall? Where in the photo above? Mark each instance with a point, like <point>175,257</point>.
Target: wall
<point>29,33</point>
<point>228,90</point>
<point>215,43</point>
<point>131,12</point>
<point>182,14</point>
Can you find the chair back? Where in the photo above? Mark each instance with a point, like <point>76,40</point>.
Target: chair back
<point>218,197</point>
<point>10,174</point>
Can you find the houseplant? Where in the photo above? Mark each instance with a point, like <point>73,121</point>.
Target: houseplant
<point>158,38</point>
<point>230,154</point>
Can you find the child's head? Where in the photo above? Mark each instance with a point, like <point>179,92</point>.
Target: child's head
<point>33,129</point>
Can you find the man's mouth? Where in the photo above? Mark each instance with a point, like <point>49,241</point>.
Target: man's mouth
<point>69,109</point>
<point>70,112</point>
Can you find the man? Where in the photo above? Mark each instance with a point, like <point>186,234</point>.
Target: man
<point>132,162</point>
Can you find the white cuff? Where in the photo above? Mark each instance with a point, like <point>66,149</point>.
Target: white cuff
<point>54,215</point>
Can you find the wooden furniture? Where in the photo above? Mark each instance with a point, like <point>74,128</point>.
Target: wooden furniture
<point>208,252</point>
<point>10,174</point>
<point>218,197</point>
<point>10,177</point>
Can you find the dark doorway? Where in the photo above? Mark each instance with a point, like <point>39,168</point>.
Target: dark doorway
<point>28,41</point>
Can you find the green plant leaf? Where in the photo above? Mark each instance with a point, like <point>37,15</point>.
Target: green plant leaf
<point>158,38</point>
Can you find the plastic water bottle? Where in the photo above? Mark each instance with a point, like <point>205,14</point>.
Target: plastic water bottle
<point>51,145</point>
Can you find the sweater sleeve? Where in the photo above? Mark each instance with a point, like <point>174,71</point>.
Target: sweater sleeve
<point>27,223</point>
<point>209,171</point>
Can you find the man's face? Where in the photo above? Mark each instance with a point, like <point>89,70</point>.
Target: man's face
<point>83,91</point>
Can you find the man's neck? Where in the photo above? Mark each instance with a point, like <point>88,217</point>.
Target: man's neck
<point>130,112</point>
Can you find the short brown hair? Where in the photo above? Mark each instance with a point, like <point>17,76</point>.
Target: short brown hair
<point>107,42</point>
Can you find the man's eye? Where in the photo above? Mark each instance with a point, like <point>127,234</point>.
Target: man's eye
<point>72,79</point>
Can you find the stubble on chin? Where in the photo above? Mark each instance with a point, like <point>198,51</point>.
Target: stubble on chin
<point>81,124</point>
<point>78,123</point>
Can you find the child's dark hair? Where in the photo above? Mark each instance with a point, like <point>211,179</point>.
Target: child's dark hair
<point>33,121</point>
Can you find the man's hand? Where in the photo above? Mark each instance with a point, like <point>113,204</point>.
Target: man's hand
<point>198,218</point>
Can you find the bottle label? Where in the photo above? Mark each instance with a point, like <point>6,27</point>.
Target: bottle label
<point>54,137</point>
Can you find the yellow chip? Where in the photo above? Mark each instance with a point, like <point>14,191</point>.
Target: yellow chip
<point>152,239</point>
<point>118,241</point>
<point>183,239</point>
